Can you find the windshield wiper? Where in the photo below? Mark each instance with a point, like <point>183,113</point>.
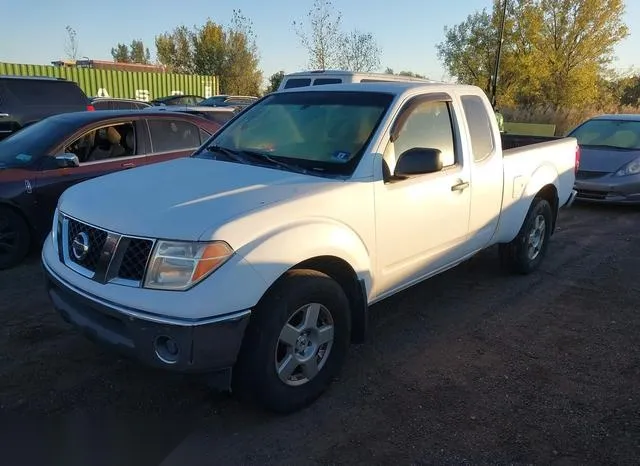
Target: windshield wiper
<point>228,152</point>
<point>237,155</point>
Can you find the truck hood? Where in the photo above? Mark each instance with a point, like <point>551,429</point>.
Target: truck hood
<point>182,198</point>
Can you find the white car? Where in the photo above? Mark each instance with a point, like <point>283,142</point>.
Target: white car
<point>257,258</point>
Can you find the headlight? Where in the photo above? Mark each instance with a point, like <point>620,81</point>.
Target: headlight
<point>178,265</point>
<point>632,168</point>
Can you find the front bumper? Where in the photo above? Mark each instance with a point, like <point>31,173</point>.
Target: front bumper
<point>609,191</point>
<point>181,346</point>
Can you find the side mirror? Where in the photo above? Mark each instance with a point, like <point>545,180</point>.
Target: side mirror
<point>67,160</point>
<point>418,161</point>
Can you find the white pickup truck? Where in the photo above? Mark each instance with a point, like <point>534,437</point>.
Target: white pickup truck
<point>255,260</point>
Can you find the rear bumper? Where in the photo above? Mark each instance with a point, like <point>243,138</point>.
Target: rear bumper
<point>180,346</point>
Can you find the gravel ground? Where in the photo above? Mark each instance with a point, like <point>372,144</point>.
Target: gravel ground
<point>471,366</point>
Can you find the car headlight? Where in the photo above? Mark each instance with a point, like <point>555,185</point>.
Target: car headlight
<point>632,168</point>
<point>179,265</point>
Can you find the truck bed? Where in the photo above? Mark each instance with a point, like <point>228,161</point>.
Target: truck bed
<point>512,141</point>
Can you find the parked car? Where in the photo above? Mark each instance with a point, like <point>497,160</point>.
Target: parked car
<point>267,246</point>
<point>39,162</point>
<point>25,100</point>
<point>187,99</point>
<point>238,101</point>
<point>610,164</point>
<point>219,115</point>
<point>112,103</point>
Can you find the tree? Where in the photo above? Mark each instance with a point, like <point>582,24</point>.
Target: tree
<point>71,43</point>
<point>230,53</point>
<point>120,53</point>
<point>405,73</point>
<point>274,81</point>
<point>555,51</point>
<point>323,38</point>
<point>134,53</point>
<point>359,52</point>
<point>138,53</point>
<point>173,49</point>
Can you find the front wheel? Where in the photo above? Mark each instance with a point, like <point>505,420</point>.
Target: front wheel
<point>14,238</point>
<point>524,254</point>
<point>295,344</point>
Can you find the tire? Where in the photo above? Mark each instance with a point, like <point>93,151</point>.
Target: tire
<point>15,238</point>
<point>516,256</point>
<point>297,294</point>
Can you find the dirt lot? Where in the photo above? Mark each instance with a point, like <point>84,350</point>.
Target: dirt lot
<point>471,366</point>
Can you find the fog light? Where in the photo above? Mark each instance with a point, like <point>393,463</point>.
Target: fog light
<point>167,349</point>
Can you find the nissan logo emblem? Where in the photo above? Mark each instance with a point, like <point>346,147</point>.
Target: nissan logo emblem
<point>80,246</point>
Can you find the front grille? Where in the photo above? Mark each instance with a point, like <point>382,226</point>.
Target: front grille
<point>125,258</point>
<point>135,259</point>
<point>586,175</point>
<point>587,194</point>
<point>96,240</point>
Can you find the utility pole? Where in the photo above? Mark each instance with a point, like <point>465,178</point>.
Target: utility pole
<point>494,82</point>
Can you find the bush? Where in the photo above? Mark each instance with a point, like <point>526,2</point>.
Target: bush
<point>565,119</point>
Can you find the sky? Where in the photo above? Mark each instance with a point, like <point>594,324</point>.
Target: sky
<point>33,31</point>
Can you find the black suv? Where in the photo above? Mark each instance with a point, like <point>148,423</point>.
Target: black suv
<point>26,99</point>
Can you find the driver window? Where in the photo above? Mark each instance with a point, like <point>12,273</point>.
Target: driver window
<point>428,126</point>
<point>104,143</point>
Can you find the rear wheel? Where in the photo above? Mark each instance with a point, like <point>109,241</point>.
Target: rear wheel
<point>295,344</point>
<point>524,254</point>
<point>14,238</point>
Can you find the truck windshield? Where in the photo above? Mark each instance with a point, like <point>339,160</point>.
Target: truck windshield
<point>618,134</point>
<point>318,130</point>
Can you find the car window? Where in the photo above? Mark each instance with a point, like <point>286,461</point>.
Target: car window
<point>297,82</point>
<point>428,126</point>
<point>44,92</point>
<point>619,134</point>
<point>480,129</point>
<point>173,135</point>
<point>101,104</point>
<point>105,143</point>
<point>204,136</point>
<point>321,81</point>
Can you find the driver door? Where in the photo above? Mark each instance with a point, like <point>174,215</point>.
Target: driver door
<point>422,221</point>
<point>103,149</point>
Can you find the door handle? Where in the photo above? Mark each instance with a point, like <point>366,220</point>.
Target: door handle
<point>128,165</point>
<point>460,186</point>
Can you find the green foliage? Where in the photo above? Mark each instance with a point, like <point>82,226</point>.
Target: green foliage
<point>228,52</point>
<point>555,52</point>
<point>134,53</point>
<point>274,81</point>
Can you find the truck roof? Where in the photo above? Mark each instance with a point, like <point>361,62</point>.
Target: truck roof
<point>389,87</point>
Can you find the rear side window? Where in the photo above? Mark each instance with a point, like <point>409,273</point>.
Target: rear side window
<point>321,81</point>
<point>101,104</point>
<point>43,92</point>
<point>297,82</point>
<point>169,135</point>
<point>480,129</point>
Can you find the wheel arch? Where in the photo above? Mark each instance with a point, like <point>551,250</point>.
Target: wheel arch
<point>353,286</point>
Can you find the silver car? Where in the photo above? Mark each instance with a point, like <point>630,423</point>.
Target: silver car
<point>609,159</point>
